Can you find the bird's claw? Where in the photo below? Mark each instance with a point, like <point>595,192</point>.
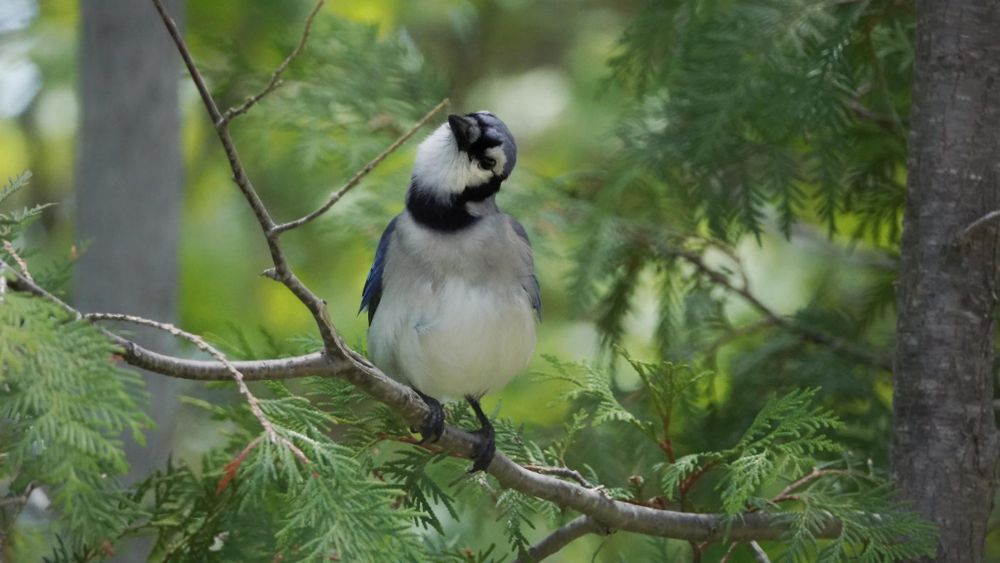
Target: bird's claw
<point>484,450</point>
<point>433,425</point>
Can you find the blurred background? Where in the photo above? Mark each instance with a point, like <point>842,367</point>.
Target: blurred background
<point>609,158</point>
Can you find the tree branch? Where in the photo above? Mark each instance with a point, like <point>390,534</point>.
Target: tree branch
<point>275,80</point>
<point>737,333</point>
<point>316,363</point>
<point>283,273</point>
<point>576,528</point>
<point>360,174</point>
<point>565,472</point>
<point>835,343</point>
<point>758,552</point>
<point>979,224</point>
<point>17,258</point>
<point>204,346</point>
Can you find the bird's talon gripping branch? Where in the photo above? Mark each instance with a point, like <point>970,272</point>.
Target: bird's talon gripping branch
<point>486,447</point>
<point>433,426</point>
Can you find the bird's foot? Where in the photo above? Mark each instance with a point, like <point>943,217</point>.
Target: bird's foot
<point>433,425</point>
<point>485,449</point>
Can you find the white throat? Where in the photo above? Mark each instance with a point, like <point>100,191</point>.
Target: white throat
<point>442,169</point>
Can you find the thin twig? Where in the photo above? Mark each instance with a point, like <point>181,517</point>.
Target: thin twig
<point>21,264</point>
<point>758,552</point>
<point>315,364</point>
<point>360,174</point>
<point>275,80</point>
<point>283,273</point>
<point>204,346</point>
<point>565,472</point>
<point>21,283</point>
<point>576,528</point>
<point>857,353</point>
<point>729,552</point>
<point>816,473</point>
<point>861,110</point>
<point>239,176</point>
<point>979,224</point>
<point>737,333</point>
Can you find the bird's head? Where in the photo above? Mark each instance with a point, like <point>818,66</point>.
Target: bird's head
<point>469,156</point>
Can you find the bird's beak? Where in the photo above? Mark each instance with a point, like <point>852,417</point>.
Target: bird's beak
<point>465,129</point>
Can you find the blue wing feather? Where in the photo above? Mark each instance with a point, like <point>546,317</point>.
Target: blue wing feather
<point>530,285</point>
<point>372,293</point>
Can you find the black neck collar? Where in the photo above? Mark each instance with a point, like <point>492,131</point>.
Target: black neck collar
<point>447,215</point>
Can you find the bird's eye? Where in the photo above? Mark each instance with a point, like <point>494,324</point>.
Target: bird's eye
<point>487,163</point>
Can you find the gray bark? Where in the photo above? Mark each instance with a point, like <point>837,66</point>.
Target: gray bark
<point>944,450</point>
<point>129,176</point>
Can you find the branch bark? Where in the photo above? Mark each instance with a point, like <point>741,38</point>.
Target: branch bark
<point>21,264</point>
<point>565,472</point>
<point>576,528</point>
<point>978,224</point>
<point>317,363</point>
<point>204,346</point>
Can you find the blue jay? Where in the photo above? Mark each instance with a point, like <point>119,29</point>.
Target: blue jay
<point>452,296</point>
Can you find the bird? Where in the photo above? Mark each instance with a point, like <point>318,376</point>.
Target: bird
<point>452,295</point>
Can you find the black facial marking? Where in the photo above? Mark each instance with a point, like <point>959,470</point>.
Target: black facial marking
<point>488,139</point>
<point>431,211</point>
<point>495,133</point>
<point>465,130</point>
<point>480,192</point>
<point>448,215</point>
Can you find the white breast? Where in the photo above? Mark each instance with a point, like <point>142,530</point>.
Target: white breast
<point>452,333</point>
<point>454,340</point>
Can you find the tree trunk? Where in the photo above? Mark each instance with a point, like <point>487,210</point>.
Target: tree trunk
<point>945,446</point>
<point>128,188</point>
